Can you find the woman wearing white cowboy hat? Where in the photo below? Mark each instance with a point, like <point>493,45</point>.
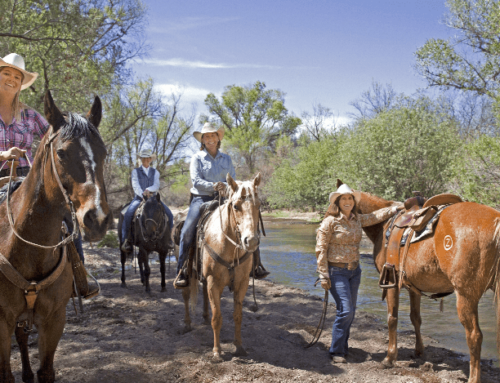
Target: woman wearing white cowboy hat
<point>208,170</point>
<point>18,122</point>
<point>145,181</point>
<point>337,253</point>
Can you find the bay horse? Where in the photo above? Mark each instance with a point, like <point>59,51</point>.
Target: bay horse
<point>230,238</point>
<point>462,256</point>
<point>67,175</point>
<point>150,232</point>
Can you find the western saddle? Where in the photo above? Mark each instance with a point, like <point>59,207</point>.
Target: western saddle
<point>419,218</point>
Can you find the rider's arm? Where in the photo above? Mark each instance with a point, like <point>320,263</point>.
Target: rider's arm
<point>12,154</point>
<point>135,184</point>
<point>156,185</point>
<point>197,177</point>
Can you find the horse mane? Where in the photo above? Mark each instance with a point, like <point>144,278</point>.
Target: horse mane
<point>77,126</point>
<point>373,199</point>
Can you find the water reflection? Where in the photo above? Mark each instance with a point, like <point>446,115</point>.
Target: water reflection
<point>288,252</point>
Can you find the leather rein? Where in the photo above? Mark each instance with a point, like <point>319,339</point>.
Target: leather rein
<point>155,237</point>
<point>31,289</point>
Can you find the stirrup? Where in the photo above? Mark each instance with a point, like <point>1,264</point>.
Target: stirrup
<point>387,270</point>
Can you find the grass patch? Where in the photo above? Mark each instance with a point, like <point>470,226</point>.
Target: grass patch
<point>109,240</point>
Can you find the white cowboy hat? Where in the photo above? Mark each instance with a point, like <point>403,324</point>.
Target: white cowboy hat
<point>146,153</point>
<point>15,61</point>
<point>209,128</point>
<point>344,189</point>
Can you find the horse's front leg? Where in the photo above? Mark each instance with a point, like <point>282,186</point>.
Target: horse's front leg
<point>214,294</point>
<point>49,334</point>
<point>144,255</point>
<point>163,255</point>
<point>205,303</point>
<point>22,341</point>
<point>5,339</point>
<point>468,315</point>
<point>123,259</point>
<point>392,324</point>
<point>416,320</point>
<point>239,294</point>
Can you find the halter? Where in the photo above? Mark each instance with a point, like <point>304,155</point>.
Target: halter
<point>155,237</point>
<point>73,235</point>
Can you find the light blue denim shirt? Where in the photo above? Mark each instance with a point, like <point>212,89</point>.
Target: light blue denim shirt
<point>205,170</point>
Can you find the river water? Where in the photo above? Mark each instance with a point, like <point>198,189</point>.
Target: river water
<point>288,253</point>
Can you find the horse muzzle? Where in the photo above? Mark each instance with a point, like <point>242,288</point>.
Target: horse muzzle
<point>95,224</point>
<point>250,243</point>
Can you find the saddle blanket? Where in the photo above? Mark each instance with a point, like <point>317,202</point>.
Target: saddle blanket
<point>424,233</point>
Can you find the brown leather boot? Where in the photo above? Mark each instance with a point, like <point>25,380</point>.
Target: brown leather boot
<point>259,271</point>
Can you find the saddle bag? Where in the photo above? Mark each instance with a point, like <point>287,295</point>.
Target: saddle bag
<point>422,217</point>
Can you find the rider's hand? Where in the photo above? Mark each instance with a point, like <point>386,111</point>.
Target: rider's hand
<point>13,154</point>
<point>326,283</point>
<point>146,193</point>
<point>219,186</point>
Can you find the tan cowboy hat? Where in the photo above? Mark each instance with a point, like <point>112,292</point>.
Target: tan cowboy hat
<point>15,61</point>
<point>209,128</point>
<point>344,189</point>
<point>146,153</point>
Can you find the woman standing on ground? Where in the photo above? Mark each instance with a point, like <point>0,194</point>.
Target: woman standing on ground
<point>337,253</point>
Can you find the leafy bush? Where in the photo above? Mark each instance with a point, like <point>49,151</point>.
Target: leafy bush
<point>109,240</point>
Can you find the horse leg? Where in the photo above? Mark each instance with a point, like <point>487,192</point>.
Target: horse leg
<point>206,317</point>
<point>214,294</point>
<point>187,319</point>
<point>163,255</point>
<point>239,294</point>
<point>123,258</point>
<point>147,269</point>
<point>392,324</point>
<point>416,320</point>
<point>49,334</point>
<point>141,266</point>
<point>5,339</point>
<point>468,315</point>
<point>22,341</point>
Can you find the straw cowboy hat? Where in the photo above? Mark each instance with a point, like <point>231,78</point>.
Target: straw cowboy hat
<point>209,128</point>
<point>15,61</point>
<point>146,153</point>
<point>344,189</point>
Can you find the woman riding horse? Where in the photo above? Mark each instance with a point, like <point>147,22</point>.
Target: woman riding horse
<point>18,122</point>
<point>208,170</point>
<point>337,252</point>
<point>145,182</point>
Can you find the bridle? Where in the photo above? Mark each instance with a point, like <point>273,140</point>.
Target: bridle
<point>155,237</point>
<point>74,234</point>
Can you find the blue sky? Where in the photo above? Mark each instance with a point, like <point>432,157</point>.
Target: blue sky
<point>316,51</point>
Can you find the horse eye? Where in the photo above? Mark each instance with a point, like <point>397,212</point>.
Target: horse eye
<point>61,154</point>
<point>237,207</point>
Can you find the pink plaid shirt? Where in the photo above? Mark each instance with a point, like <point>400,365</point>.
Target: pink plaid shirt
<point>20,133</point>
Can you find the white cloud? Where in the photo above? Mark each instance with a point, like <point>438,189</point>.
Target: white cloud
<point>189,94</point>
<point>177,62</point>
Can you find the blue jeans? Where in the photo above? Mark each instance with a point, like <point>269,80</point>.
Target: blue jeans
<point>188,232</point>
<point>129,215</point>
<point>345,286</point>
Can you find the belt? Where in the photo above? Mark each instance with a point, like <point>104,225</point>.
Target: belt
<point>349,266</point>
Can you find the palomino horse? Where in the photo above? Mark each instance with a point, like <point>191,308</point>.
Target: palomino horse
<point>462,256</point>
<point>151,232</point>
<point>230,238</point>
<point>67,174</point>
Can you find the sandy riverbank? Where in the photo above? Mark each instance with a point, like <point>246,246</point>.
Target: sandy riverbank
<point>126,335</point>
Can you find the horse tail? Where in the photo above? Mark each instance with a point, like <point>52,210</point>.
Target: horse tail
<point>193,293</point>
<point>496,283</point>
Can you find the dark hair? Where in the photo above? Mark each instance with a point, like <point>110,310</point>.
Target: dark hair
<point>334,209</point>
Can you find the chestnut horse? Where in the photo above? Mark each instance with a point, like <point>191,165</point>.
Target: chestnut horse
<point>230,238</point>
<point>462,256</point>
<point>151,232</point>
<point>67,175</point>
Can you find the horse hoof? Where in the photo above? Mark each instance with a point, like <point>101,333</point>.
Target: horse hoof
<point>254,308</point>
<point>163,289</point>
<point>240,351</point>
<point>123,285</point>
<point>187,328</point>
<point>207,322</point>
<point>386,363</point>
<point>217,358</point>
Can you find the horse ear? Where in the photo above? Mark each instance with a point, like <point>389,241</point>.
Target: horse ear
<point>339,183</point>
<point>158,198</point>
<point>256,180</point>
<point>95,113</point>
<point>231,182</point>
<point>52,114</point>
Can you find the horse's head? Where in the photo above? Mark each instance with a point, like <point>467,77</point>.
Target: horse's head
<point>245,204</point>
<point>153,219</point>
<point>74,154</point>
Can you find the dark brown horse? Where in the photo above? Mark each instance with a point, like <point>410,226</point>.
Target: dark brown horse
<point>462,256</point>
<point>68,166</point>
<point>151,232</point>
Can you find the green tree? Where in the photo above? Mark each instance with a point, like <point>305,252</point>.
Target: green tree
<point>470,60</point>
<point>254,118</point>
<point>78,47</point>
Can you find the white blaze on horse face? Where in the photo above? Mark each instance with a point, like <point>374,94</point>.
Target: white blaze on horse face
<point>91,178</point>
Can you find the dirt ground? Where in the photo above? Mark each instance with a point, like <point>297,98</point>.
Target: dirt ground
<point>126,335</point>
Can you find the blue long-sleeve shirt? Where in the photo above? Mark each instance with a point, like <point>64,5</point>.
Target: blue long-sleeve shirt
<point>205,170</point>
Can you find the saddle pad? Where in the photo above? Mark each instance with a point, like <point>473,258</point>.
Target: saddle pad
<point>15,185</point>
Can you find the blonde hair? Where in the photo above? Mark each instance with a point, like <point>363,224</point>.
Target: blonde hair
<point>16,104</point>
<point>334,208</point>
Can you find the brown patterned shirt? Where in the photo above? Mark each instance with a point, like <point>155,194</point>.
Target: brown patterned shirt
<point>338,238</point>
